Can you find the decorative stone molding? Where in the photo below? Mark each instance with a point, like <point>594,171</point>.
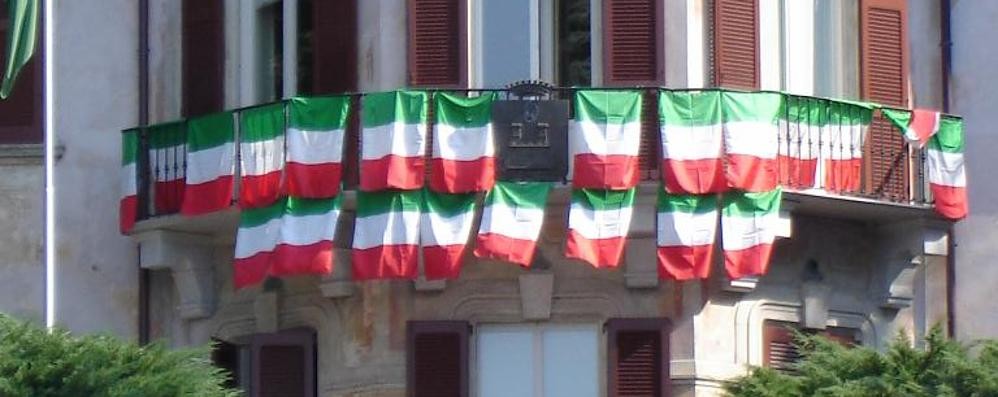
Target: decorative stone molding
<point>814,295</point>
<point>338,284</point>
<point>189,257</point>
<point>536,290</point>
<point>266,310</point>
<point>742,285</point>
<point>900,283</point>
<point>907,246</point>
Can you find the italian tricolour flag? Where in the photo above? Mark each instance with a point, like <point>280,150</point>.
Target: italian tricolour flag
<point>923,124</point>
<point>842,152</point>
<point>291,236</point>
<point>751,126</point>
<point>801,140</point>
<point>129,179</point>
<point>463,149</point>
<point>210,164</point>
<point>315,134</point>
<point>445,228</point>
<point>166,163</point>
<point>687,229</point>
<point>748,230</point>
<point>511,221</point>
<point>386,234</point>
<point>598,223</point>
<point>604,139</point>
<point>393,140</point>
<point>261,144</point>
<point>691,142</point>
<point>947,177</point>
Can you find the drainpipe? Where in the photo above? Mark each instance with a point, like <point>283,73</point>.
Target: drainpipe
<point>946,46</point>
<point>48,60</point>
<point>143,281</point>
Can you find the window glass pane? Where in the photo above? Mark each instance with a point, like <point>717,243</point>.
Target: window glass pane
<point>836,47</point>
<point>571,361</point>
<point>509,42</point>
<point>505,361</point>
<point>574,47</point>
<point>270,51</point>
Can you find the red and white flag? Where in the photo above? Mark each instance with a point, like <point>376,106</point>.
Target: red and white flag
<point>692,146</point>
<point>751,126</point>
<point>604,139</point>
<point>598,223</point>
<point>316,127</point>
<point>393,140</point>
<point>512,221</point>
<point>211,164</point>
<point>749,222</point>
<point>687,229</point>
<point>463,149</point>
<point>261,144</point>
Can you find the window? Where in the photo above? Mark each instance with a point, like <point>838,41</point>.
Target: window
<point>203,56</point>
<point>819,48</point>
<point>21,112</point>
<point>537,360</point>
<point>437,358</point>
<point>638,357</point>
<point>779,351</point>
<point>574,44</point>
<point>292,47</point>
<point>271,365</point>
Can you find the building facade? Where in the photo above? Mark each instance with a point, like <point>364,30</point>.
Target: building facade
<point>860,266</point>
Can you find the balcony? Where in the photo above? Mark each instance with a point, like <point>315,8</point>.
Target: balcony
<point>892,184</point>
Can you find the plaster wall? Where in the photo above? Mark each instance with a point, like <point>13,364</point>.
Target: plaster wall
<point>21,251</point>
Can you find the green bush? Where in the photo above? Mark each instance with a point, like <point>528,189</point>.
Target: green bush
<point>942,368</point>
<point>37,363</point>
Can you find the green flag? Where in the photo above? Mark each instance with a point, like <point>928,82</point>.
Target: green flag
<point>20,40</point>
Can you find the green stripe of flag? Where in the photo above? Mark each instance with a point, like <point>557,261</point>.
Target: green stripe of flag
<point>806,110</point>
<point>519,194</point>
<point>258,216</point>
<point>304,207</point>
<point>900,118</point>
<point>461,111</point>
<point>841,113</point>
<point>689,108</point>
<point>129,145</point>
<point>380,108</point>
<point>210,131</point>
<point>375,203</point>
<point>950,138</point>
<point>319,114</point>
<point>602,106</point>
<point>603,200</point>
<point>686,203</point>
<point>744,204</point>
<point>261,123</point>
<point>447,205</point>
<point>766,107</point>
<point>166,135</point>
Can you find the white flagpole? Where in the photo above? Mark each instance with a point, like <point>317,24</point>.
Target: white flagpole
<point>50,259</point>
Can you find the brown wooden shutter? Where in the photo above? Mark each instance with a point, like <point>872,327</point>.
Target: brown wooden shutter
<point>334,46</point>
<point>779,351</point>
<point>884,75</point>
<point>437,48</point>
<point>203,56</point>
<point>638,357</point>
<point>284,364</point>
<point>437,358</point>
<point>736,44</point>
<point>225,355</point>
<point>633,56</point>
<point>21,112</point>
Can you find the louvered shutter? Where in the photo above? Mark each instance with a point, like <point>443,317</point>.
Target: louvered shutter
<point>284,364</point>
<point>633,55</point>
<point>437,358</point>
<point>20,113</point>
<point>779,351</point>
<point>334,46</point>
<point>638,357</point>
<point>437,48</point>
<point>736,44</point>
<point>203,56</point>
<point>884,74</point>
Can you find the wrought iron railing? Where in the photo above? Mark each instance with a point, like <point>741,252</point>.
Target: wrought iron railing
<point>890,170</point>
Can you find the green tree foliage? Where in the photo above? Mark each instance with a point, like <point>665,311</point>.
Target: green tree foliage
<point>942,368</point>
<point>37,363</point>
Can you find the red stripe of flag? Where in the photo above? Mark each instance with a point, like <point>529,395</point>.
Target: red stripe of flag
<point>693,176</point>
<point>453,176</point>
<point>313,180</point>
<point>391,172</point>
<point>385,262</point>
<point>685,263</point>
<point>592,171</point>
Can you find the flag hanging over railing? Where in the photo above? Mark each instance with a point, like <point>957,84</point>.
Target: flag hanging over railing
<point>687,229</point>
<point>463,144</point>
<point>444,230</point>
<point>128,205</point>
<point>211,162</point>
<point>386,234</point>
<point>751,126</point>
<point>748,230</point>
<point>511,221</point>
<point>167,163</point>
<point>604,139</point>
<point>598,223</point>
<point>315,138</point>
<point>261,144</point>
<point>393,140</point>
<point>845,134</point>
<point>947,176</point>
<point>692,147</point>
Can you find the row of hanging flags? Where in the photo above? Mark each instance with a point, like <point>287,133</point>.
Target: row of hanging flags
<point>722,155</point>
